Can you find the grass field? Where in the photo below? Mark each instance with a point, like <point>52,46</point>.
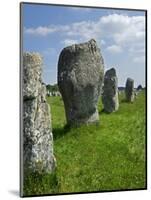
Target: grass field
<point>103,157</point>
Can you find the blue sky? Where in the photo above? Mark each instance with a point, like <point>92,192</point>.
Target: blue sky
<point>120,34</point>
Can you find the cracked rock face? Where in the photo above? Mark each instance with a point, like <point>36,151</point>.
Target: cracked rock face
<point>129,90</point>
<point>80,77</point>
<point>110,91</point>
<point>37,138</point>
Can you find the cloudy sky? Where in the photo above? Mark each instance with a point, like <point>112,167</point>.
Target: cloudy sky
<point>120,35</point>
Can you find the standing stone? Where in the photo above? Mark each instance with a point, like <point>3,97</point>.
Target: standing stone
<point>110,91</point>
<point>129,90</point>
<point>37,139</point>
<point>80,77</point>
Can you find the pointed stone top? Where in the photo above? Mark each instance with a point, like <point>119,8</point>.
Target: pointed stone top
<point>130,80</point>
<point>91,44</point>
<point>111,72</point>
<point>92,41</point>
<point>32,57</point>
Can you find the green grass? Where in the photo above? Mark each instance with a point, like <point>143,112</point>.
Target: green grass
<point>107,156</point>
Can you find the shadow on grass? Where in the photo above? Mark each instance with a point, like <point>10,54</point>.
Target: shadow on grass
<point>40,183</point>
<point>103,112</point>
<point>60,132</point>
<point>125,101</point>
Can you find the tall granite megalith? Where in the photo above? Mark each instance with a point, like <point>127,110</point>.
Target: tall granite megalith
<point>37,136</point>
<point>129,90</point>
<point>80,77</point>
<point>110,91</point>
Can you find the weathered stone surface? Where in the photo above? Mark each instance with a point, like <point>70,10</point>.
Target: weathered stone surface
<point>129,90</point>
<point>80,77</point>
<point>37,138</point>
<point>110,91</point>
<point>32,75</point>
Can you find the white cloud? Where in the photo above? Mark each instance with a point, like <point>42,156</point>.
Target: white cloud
<point>140,59</point>
<point>137,49</point>
<point>41,30</point>
<point>68,42</point>
<point>131,31</point>
<point>121,28</point>
<point>115,22</point>
<point>46,30</point>
<point>114,49</point>
<point>124,33</point>
<point>84,29</point>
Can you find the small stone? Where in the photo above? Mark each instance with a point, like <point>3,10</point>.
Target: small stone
<point>129,90</point>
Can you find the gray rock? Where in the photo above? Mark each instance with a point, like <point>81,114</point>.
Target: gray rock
<point>129,90</point>
<point>37,139</point>
<point>80,77</point>
<point>32,75</point>
<point>110,91</point>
